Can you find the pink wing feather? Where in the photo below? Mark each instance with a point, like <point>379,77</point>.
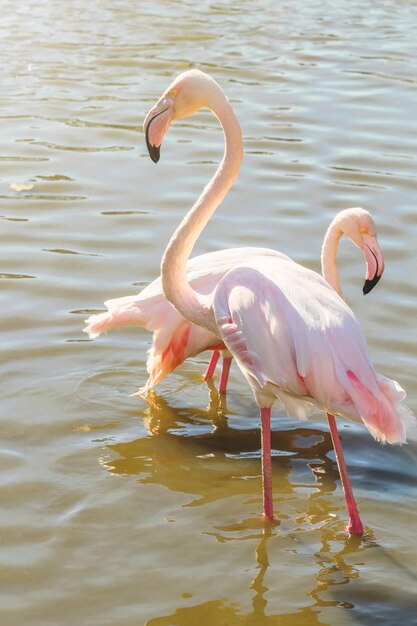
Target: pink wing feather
<point>171,342</point>
<point>313,349</point>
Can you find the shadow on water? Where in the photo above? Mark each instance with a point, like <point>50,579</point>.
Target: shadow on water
<point>197,452</point>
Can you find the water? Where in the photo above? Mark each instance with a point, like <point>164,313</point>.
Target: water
<point>116,512</point>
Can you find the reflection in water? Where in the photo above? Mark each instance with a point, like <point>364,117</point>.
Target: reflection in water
<point>200,453</point>
<point>332,571</point>
<point>330,564</point>
<point>197,452</point>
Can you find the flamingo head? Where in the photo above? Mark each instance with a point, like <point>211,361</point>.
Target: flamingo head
<point>189,92</point>
<point>359,226</point>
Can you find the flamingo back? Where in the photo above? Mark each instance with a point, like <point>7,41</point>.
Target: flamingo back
<point>295,339</point>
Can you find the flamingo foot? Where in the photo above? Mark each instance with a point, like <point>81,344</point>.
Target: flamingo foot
<point>212,365</point>
<point>268,507</point>
<point>354,526</point>
<point>224,376</point>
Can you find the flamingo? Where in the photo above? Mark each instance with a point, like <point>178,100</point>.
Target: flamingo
<point>291,334</point>
<point>175,339</point>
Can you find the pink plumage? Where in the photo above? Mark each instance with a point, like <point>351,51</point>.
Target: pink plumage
<point>292,335</point>
<point>296,340</point>
<point>150,310</point>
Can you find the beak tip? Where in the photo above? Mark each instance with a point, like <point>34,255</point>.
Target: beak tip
<point>154,151</point>
<point>370,284</point>
<point>366,288</point>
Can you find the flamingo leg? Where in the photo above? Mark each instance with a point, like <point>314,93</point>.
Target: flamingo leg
<point>266,463</point>
<point>224,376</point>
<point>212,364</point>
<point>354,526</point>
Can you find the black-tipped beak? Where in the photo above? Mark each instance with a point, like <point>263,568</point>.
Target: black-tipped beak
<point>154,151</point>
<point>370,284</point>
<point>374,264</point>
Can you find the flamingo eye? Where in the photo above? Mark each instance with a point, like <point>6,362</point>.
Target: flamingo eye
<point>173,93</point>
<point>362,230</point>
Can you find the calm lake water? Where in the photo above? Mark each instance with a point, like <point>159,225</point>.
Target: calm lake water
<point>121,513</point>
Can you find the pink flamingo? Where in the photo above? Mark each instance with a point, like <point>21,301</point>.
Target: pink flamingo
<point>175,339</point>
<point>292,335</point>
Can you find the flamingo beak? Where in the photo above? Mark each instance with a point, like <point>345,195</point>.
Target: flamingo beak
<point>374,262</point>
<point>156,125</point>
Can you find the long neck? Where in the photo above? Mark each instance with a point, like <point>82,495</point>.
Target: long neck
<point>191,305</point>
<point>328,256</point>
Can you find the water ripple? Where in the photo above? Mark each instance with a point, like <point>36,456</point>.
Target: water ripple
<point>95,484</point>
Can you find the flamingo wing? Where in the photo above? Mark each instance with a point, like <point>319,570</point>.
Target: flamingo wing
<point>151,310</point>
<point>174,339</point>
<point>295,339</point>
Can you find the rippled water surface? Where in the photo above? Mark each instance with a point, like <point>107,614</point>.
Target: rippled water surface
<point>119,512</point>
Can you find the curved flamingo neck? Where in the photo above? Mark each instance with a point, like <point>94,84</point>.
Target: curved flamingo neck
<point>191,305</point>
<point>328,256</point>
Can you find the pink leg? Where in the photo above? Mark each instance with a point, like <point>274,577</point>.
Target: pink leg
<point>266,462</point>
<point>212,365</point>
<point>227,361</point>
<point>354,526</point>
